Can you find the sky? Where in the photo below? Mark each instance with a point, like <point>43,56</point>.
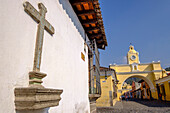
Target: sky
<point>144,23</point>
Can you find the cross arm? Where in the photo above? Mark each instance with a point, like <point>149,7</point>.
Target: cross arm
<point>32,11</point>
<point>49,27</point>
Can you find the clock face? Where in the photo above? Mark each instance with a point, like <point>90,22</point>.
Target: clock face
<point>133,57</point>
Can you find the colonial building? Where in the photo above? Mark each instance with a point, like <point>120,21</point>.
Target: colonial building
<point>126,88</point>
<point>144,90</point>
<point>108,82</point>
<point>163,87</point>
<point>149,72</point>
<point>136,92</point>
<point>47,50</point>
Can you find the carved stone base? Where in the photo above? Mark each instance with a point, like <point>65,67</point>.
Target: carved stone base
<point>31,98</point>
<point>35,79</point>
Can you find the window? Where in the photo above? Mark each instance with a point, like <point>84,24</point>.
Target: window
<point>134,67</point>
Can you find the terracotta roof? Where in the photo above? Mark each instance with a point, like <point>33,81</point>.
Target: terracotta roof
<point>89,14</point>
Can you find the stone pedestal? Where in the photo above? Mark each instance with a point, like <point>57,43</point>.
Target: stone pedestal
<point>36,96</point>
<point>31,98</point>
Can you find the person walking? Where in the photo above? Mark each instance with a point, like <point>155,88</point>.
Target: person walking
<point>160,96</point>
<point>126,97</point>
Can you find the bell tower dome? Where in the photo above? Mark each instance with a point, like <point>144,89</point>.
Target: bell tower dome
<point>132,56</point>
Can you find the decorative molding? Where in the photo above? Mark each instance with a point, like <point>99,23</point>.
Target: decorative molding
<point>138,72</point>
<point>30,98</point>
<point>35,78</point>
<point>149,63</point>
<point>138,64</point>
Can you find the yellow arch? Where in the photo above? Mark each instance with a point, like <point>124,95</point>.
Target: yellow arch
<point>149,72</point>
<point>123,78</point>
<point>141,77</point>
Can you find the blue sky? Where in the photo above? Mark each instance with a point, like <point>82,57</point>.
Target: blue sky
<point>144,23</point>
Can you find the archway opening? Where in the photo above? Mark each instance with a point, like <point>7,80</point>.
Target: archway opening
<point>136,87</point>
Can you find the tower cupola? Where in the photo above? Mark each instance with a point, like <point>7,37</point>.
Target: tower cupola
<point>132,56</point>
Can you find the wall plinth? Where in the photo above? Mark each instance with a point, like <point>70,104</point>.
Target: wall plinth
<point>32,98</point>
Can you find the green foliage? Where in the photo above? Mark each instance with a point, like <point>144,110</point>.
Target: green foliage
<point>129,81</point>
<point>167,69</point>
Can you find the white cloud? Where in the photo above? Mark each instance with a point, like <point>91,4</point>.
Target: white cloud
<point>124,61</point>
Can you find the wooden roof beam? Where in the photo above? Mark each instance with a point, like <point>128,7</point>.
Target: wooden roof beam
<point>100,40</point>
<point>86,12</point>
<point>92,29</point>
<point>79,2</point>
<point>95,35</point>
<point>94,21</point>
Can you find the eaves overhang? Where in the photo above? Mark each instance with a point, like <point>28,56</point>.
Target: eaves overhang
<point>89,14</point>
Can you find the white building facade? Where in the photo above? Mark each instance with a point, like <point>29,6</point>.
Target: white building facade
<point>61,57</point>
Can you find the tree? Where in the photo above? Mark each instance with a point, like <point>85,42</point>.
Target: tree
<point>167,69</point>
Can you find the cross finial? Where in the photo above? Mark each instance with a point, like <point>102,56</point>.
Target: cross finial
<point>130,43</point>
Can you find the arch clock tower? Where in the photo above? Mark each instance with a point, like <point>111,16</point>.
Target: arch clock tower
<point>149,72</point>
<point>132,56</point>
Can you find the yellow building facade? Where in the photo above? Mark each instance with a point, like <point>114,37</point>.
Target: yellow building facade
<point>163,86</point>
<point>108,87</point>
<point>149,72</point>
<point>107,92</point>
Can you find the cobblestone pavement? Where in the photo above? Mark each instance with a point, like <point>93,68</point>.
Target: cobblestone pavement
<point>137,106</point>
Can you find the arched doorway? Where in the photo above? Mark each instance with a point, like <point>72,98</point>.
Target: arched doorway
<point>144,91</point>
<point>141,77</point>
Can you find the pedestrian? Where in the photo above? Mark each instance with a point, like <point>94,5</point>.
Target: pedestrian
<point>126,97</point>
<point>160,96</point>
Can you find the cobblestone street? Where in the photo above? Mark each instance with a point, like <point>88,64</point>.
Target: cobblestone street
<point>137,106</point>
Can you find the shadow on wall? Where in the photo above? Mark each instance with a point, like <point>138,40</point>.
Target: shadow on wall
<point>72,15</point>
<point>34,111</point>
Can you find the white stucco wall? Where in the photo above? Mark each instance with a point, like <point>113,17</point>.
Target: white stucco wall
<point>61,56</point>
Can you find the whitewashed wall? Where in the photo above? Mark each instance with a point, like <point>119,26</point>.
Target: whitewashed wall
<point>61,56</point>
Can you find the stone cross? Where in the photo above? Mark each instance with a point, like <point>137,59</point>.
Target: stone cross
<point>39,17</point>
<point>35,76</point>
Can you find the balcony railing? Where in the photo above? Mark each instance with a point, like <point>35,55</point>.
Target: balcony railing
<point>94,70</point>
